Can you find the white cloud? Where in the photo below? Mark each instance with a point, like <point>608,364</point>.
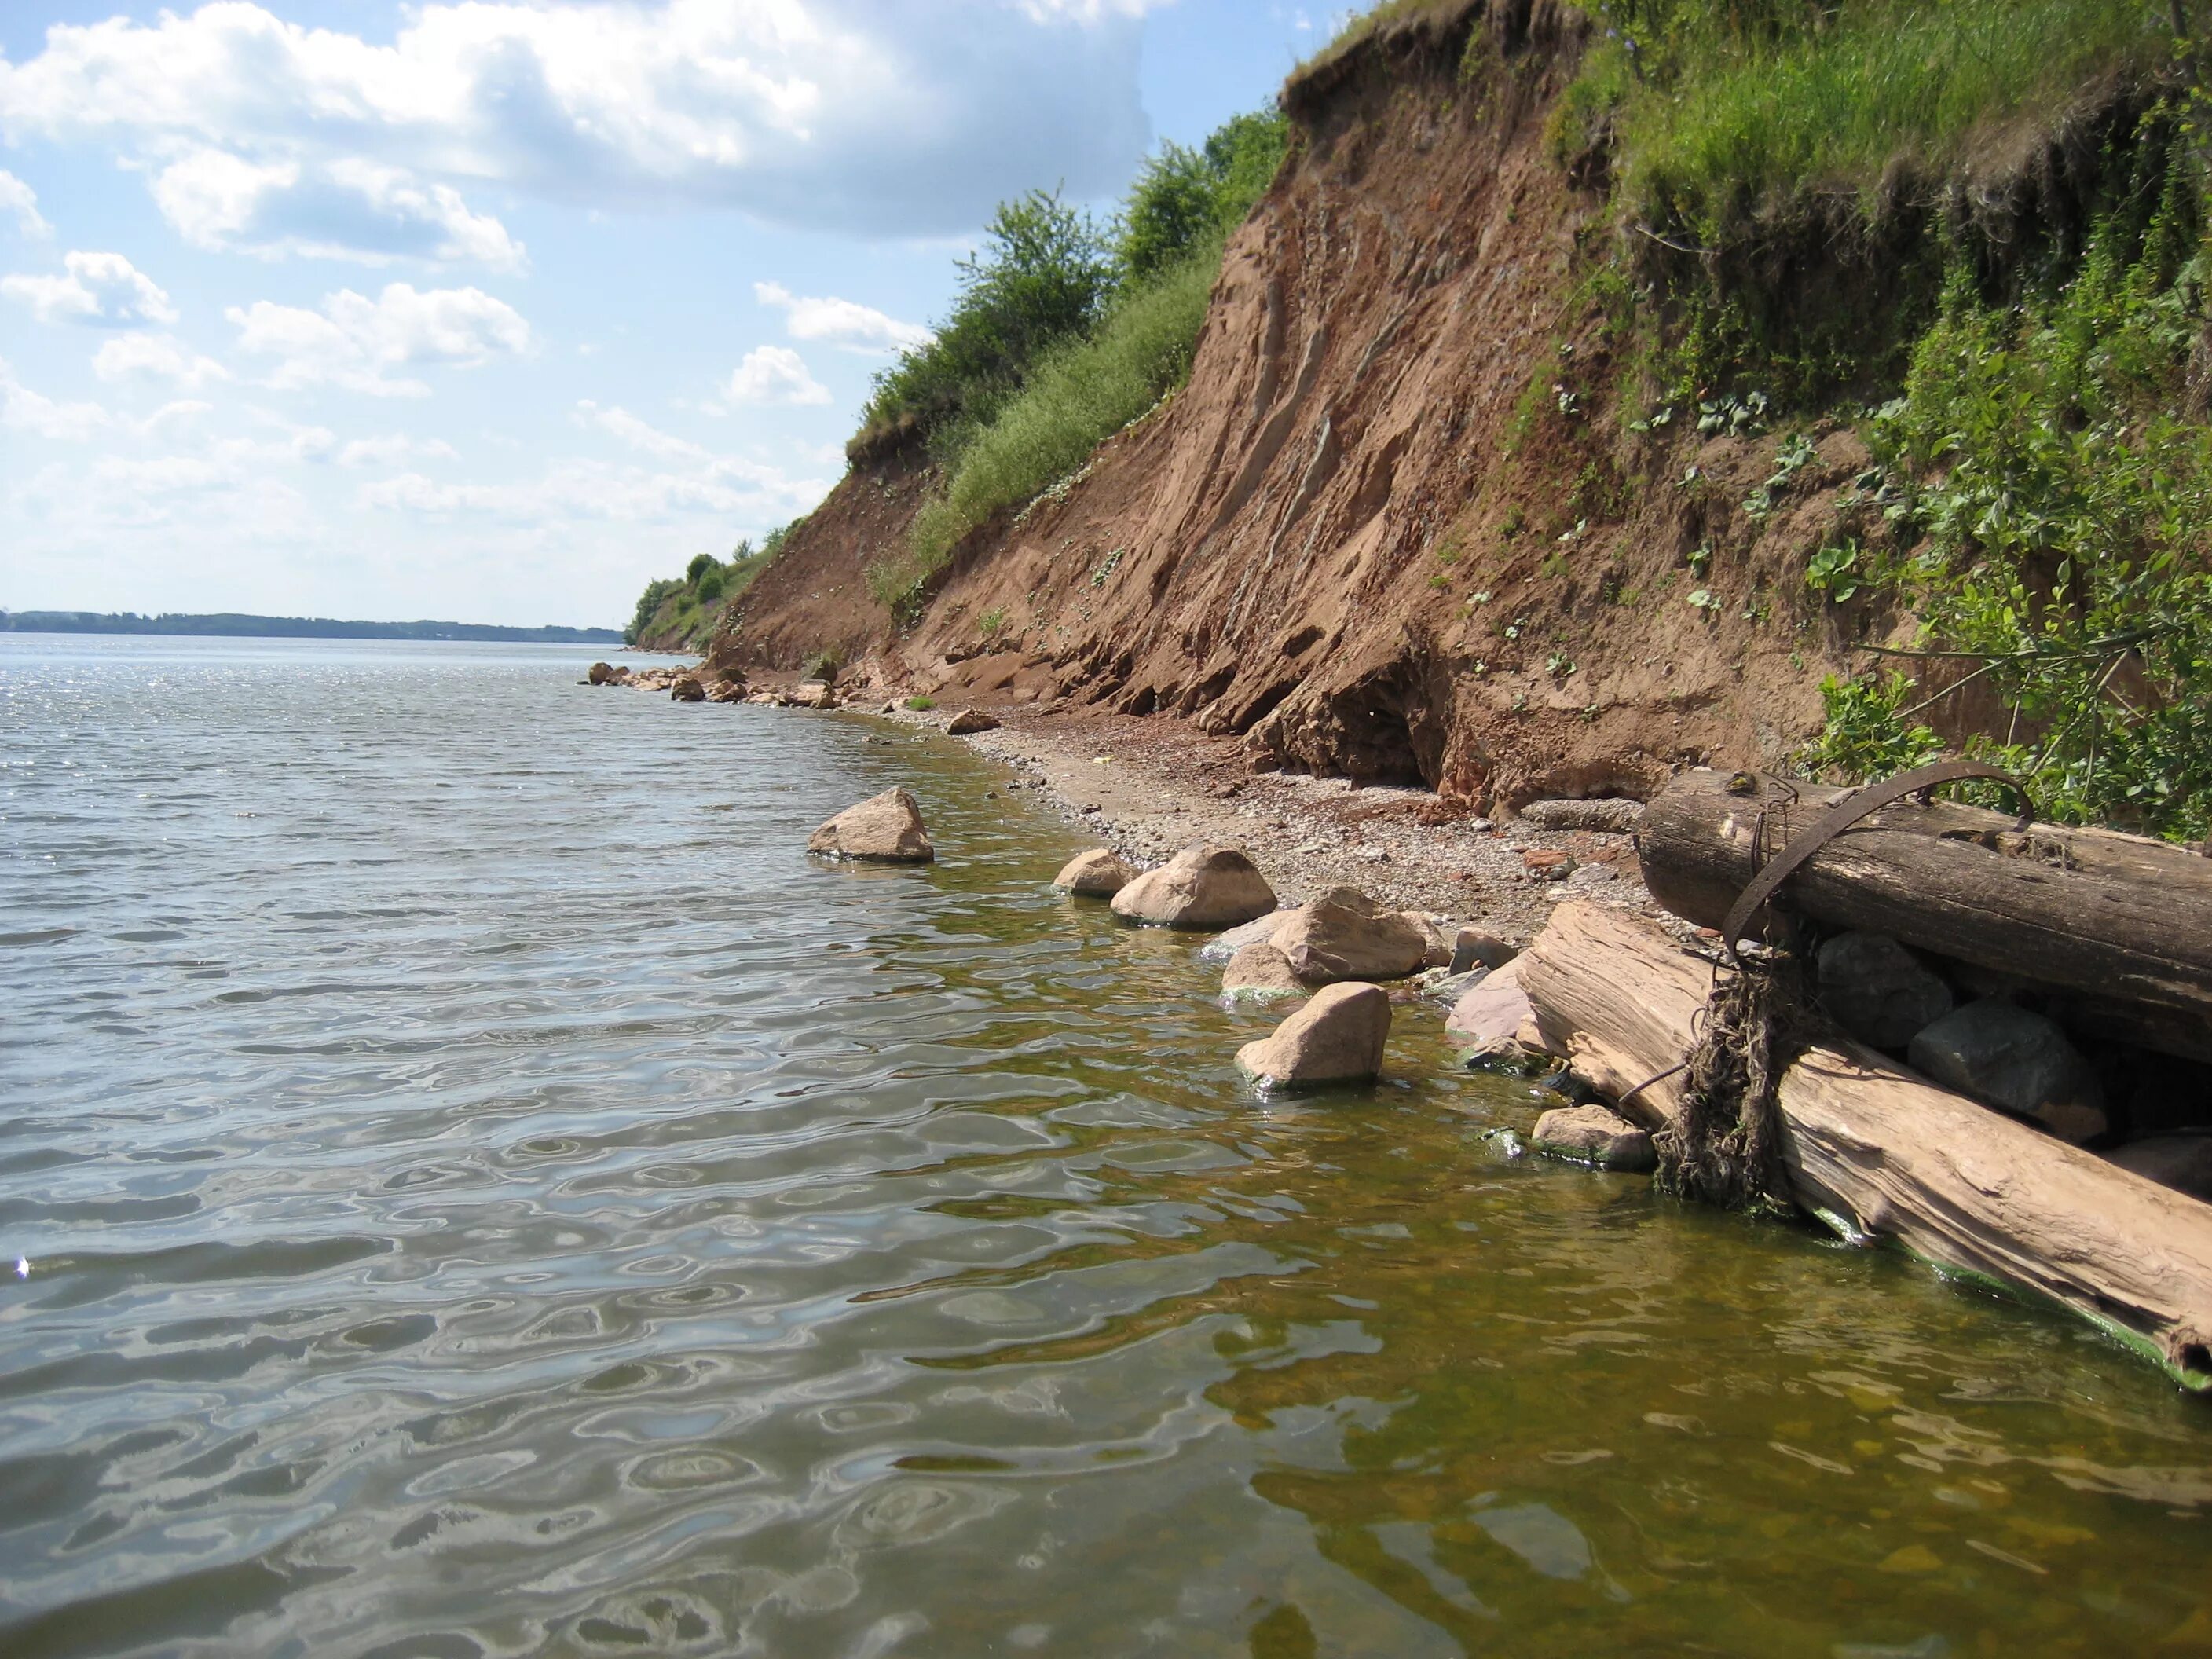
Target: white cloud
<point>154,357</point>
<point>350,208</point>
<point>23,410</point>
<point>393,447</point>
<point>20,199</point>
<point>353,342</point>
<point>621,423</point>
<point>830,114</point>
<point>104,289</point>
<point>841,322</point>
<point>597,491</point>
<point>774,374</point>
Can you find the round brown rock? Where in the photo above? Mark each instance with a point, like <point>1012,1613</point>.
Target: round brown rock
<point>886,827</point>
<point>968,721</point>
<point>1338,1037</point>
<point>601,673</point>
<point>1344,934</point>
<point>1593,1134</point>
<point>1201,887</point>
<point>687,689</point>
<point>1099,874</point>
<point>1261,971</point>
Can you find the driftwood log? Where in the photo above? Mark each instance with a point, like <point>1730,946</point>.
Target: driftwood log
<point>1880,1154</point>
<point>2117,928</point>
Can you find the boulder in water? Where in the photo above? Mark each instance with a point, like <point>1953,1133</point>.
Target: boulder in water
<point>1338,1037</point>
<point>1593,1134</point>
<point>687,689</point>
<point>1261,971</point>
<point>886,827</point>
<point>1099,874</point>
<point>600,673</point>
<point>1344,934</point>
<point>1202,887</point>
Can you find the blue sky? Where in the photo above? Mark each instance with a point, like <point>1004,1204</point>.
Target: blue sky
<point>494,311</point>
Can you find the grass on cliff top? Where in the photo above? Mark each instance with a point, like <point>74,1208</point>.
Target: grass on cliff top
<point>1726,111</point>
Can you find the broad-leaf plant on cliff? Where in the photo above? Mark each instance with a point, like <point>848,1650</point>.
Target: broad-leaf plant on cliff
<point>1975,230</point>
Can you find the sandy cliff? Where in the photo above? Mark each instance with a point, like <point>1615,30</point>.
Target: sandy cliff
<point>1393,528</point>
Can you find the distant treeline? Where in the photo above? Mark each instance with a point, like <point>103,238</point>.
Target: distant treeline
<point>231,622</point>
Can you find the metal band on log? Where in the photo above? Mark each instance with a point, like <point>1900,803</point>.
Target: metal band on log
<point>2119,927</point>
<point>1880,1154</point>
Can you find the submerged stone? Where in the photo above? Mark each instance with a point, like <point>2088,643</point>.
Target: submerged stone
<point>1594,1134</point>
<point>886,827</point>
<point>1201,887</point>
<point>1261,971</point>
<point>1338,1037</point>
<point>1099,874</point>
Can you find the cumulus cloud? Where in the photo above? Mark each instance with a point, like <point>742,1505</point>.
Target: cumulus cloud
<point>102,289</point>
<point>621,423</point>
<point>20,199</point>
<point>350,208</point>
<point>837,114</point>
<point>844,322</point>
<point>355,342</point>
<point>774,374</point>
<point>23,410</point>
<point>154,357</point>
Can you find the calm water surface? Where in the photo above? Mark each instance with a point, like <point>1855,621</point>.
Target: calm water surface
<point>484,1191</point>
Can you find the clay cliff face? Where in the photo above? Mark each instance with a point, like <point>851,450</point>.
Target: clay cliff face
<point>1392,527</point>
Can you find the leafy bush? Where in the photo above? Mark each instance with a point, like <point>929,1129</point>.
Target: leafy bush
<point>921,705</point>
<point>1184,200</point>
<point>1038,280</point>
<point>1076,399</point>
<point>648,603</point>
<point>2059,519</point>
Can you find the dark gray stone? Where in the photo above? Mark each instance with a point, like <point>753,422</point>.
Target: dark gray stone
<point>2005,1056</point>
<point>1879,991</point>
<point>2181,1162</point>
<point>1475,949</point>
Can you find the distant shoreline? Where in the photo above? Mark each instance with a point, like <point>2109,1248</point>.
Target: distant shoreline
<point>234,624</point>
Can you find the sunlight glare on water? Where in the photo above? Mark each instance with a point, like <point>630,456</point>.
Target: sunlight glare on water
<point>477,1187</point>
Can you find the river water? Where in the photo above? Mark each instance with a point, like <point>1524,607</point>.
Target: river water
<point>481,1189</point>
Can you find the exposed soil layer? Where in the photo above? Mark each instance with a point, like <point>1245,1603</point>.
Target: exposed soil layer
<point>1393,529</point>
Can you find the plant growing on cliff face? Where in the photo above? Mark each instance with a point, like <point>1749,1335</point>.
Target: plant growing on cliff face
<point>1834,571</point>
<point>992,622</point>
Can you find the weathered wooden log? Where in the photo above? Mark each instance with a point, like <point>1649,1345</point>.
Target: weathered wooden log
<point>2119,927</point>
<point>1880,1154</point>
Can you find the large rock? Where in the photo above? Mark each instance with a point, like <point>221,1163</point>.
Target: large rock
<point>601,673</point>
<point>1259,931</point>
<point>1487,1023</point>
<point>1344,934</point>
<point>687,689</point>
<point>815,694</point>
<point>2181,1162</point>
<point>2006,1056</point>
<point>1879,991</point>
<point>887,827</point>
<point>727,690</point>
<point>1475,949</point>
<point>1438,953</point>
<point>1616,817</point>
<point>1100,873</point>
<point>1593,1134</point>
<point>968,721</point>
<point>1338,1037</point>
<point>1261,971</point>
<point>1201,887</point>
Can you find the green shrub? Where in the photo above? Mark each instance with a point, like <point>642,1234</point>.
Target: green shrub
<point>1076,399</point>
<point>921,705</point>
<point>1184,200</point>
<point>1039,279</point>
<point>2059,519</point>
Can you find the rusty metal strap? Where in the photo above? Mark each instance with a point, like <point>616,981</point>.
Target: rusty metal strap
<point>1841,815</point>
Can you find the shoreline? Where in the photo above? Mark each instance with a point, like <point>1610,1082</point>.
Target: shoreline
<point>1147,793</point>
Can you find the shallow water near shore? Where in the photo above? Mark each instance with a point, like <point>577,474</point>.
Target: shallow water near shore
<point>484,1190</point>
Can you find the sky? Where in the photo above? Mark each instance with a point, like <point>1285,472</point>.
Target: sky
<point>493,311</point>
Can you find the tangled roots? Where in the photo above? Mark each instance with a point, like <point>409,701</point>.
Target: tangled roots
<point>1728,1150</point>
